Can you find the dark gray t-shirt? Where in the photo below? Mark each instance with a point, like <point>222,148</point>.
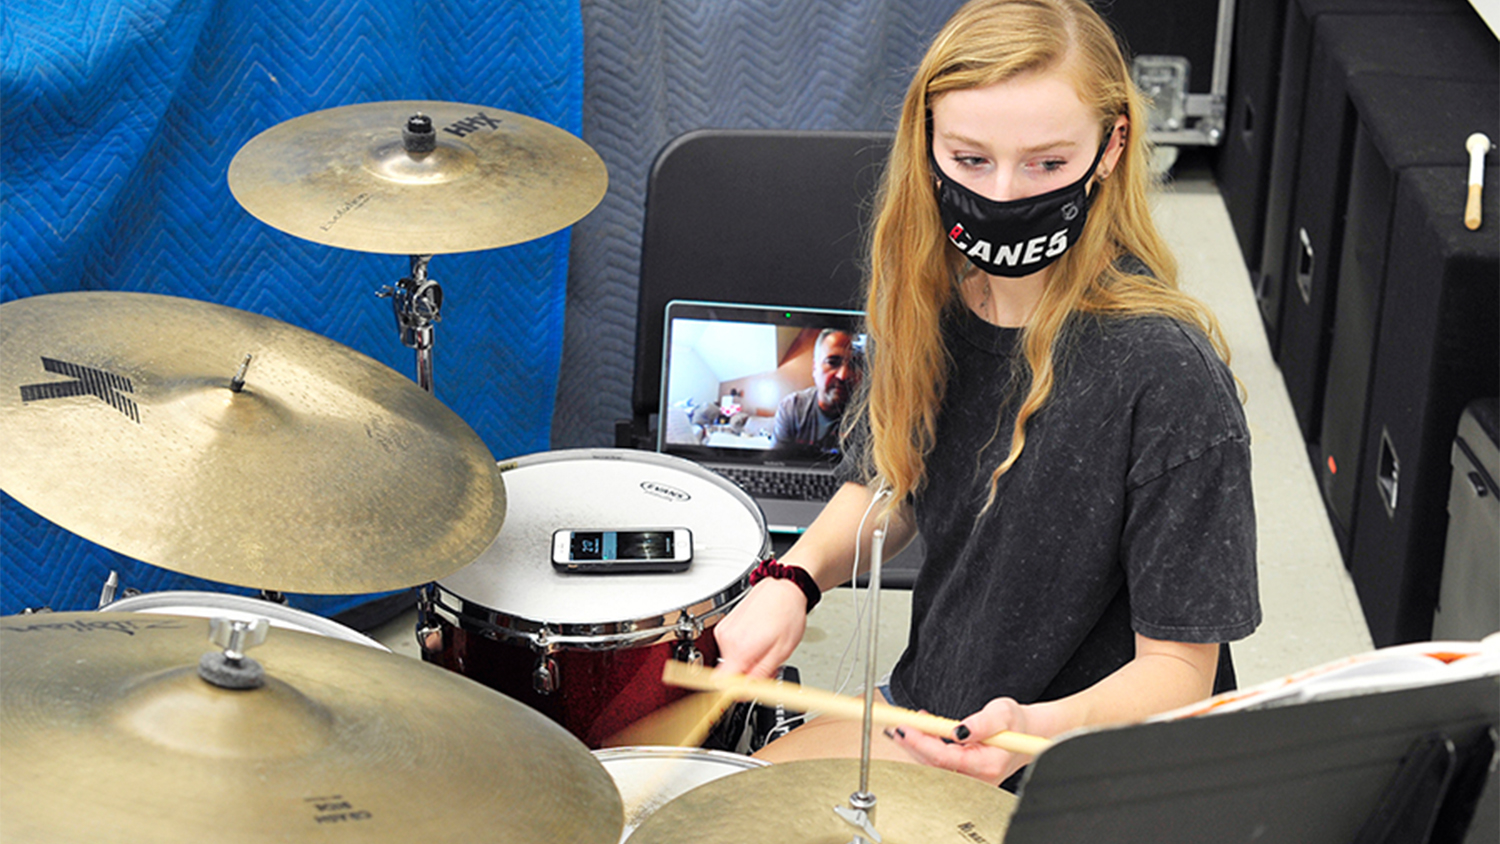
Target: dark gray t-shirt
<point>799,422</point>
<point>1129,510</point>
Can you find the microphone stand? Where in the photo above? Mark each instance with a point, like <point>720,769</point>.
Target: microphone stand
<point>861,810</point>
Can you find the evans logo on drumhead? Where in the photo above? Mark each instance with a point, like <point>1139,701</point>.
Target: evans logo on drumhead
<point>671,493</point>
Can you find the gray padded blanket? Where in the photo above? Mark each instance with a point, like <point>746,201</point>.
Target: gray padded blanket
<point>657,68</point>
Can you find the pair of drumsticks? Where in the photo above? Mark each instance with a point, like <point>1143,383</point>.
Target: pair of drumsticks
<point>687,722</point>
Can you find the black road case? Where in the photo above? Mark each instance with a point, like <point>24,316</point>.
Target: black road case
<point>1469,595</point>
<point>1279,142</point>
<point>1429,46</point>
<point>1436,352</point>
<point>1403,122</point>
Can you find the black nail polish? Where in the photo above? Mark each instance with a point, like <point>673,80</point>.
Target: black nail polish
<point>961,731</point>
<point>900,732</point>
<point>946,740</point>
<point>887,732</point>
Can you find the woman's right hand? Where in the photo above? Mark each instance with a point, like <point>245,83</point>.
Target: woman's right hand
<point>759,634</point>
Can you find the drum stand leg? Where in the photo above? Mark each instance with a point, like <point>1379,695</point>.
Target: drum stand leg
<point>417,302</point>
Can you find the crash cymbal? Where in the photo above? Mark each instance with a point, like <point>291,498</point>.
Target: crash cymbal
<point>326,473</point>
<point>792,803</point>
<point>109,734</point>
<point>344,177</point>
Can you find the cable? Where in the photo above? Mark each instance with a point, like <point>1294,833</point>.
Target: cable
<point>884,491</point>
<point>784,723</point>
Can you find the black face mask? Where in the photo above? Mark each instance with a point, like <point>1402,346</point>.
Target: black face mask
<point>1015,238</point>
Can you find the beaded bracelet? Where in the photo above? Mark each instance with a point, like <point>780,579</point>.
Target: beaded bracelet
<point>776,571</point>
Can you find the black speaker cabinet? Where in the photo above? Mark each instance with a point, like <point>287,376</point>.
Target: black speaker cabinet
<point>1403,122</point>
<point>1300,18</point>
<point>1434,46</point>
<point>1245,155</point>
<point>1437,346</point>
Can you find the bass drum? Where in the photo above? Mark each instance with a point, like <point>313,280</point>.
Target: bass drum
<point>588,649</point>
<point>239,608</point>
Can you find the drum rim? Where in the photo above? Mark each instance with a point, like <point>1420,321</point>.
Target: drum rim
<point>644,630</point>
<point>626,753</point>
<point>637,456</point>
<point>313,623</point>
<point>691,619</point>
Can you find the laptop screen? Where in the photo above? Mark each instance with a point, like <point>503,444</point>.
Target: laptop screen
<point>757,384</point>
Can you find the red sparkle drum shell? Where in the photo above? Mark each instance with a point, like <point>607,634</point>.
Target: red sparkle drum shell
<point>510,621</point>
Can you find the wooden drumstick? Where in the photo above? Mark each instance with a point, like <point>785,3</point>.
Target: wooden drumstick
<point>1478,144</point>
<point>682,723</point>
<point>839,706</point>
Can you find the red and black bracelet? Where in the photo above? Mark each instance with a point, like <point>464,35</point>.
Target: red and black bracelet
<point>776,571</point>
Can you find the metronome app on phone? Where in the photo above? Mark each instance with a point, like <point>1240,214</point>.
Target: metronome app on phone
<point>598,551</point>
<point>621,545</point>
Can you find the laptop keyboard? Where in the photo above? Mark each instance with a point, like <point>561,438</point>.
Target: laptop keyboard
<point>795,486</point>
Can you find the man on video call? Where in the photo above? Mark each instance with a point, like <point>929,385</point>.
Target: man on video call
<point>810,417</point>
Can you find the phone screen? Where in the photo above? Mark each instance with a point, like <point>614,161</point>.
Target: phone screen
<point>621,545</point>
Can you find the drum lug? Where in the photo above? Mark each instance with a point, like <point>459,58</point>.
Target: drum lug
<point>429,633</point>
<point>430,638</point>
<point>687,652</point>
<point>544,678</point>
<point>689,629</point>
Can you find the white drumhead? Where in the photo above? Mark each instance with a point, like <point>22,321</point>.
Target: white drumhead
<point>239,608</point>
<point>650,777</point>
<point>610,489</point>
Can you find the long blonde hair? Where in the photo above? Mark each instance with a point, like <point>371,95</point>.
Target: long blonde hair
<point>914,271</point>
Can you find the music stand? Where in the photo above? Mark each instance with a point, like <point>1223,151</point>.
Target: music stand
<point>1381,767</point>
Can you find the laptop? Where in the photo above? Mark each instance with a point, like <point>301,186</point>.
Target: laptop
<point>756,393</point>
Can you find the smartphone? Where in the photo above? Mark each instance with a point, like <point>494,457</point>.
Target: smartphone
<point>622,551</point>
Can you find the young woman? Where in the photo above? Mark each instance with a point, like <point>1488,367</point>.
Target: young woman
<point>1043,404</point>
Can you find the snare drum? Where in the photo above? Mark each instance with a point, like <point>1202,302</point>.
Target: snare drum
<point>239,608</point>
<point>588,649</point>
<point>649,777</point>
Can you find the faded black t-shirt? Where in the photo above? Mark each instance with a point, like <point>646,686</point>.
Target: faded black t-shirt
<point>1129,510</point>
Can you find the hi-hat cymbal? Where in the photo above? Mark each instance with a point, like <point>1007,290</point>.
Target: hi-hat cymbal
<point>109,734</point>
<point>344,177</point>
<point>792,803</point>
<point>327,473</point>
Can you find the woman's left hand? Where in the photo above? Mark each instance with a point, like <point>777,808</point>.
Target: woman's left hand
<point>967,755</point>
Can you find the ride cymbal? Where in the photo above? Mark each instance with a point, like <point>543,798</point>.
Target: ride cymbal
<point>349,177</point>
<point>109,734</point>
<point>327,472</point>
<point>793,803</point>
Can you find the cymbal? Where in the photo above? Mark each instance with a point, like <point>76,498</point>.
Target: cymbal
<point>326,473</point>
<point>343,177</point>
<point>792,802</point>
<point>108,734</point>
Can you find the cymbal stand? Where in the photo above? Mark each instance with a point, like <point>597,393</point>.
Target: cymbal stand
<point>860,813</point>
<point>417,302</point>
